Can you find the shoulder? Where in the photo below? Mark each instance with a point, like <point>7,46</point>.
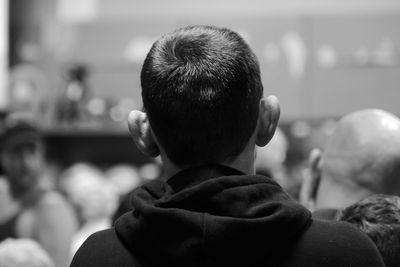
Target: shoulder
<point>53,207</point>
<point>329,243</point>
<point>102,249</point>
<point>52,214</point>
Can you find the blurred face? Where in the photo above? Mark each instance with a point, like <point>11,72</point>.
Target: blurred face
<point>23,165</point>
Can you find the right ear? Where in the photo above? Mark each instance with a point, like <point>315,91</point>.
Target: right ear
<point>268,117</point>
<point>142,134</point>
<point>311,180</point>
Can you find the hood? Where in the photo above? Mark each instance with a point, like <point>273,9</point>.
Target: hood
<point>208,216</point>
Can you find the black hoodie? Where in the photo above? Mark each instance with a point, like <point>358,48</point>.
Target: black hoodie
<point>213,216</point>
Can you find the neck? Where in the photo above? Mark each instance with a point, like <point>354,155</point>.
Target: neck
<point>244,162</point>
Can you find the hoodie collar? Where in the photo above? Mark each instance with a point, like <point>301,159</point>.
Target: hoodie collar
<point>211,216</point>
<point>196,175</point>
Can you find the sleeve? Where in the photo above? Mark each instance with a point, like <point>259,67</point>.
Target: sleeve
<point>334,244</point>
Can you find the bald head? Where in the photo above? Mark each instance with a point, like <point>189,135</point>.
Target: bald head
<point>364,150</point>
<point>362,157</point>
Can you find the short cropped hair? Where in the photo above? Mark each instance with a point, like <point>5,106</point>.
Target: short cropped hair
<point>201,89</point>
<point>379,217</point>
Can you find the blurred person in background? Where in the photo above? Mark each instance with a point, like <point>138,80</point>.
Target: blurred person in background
<point>94,197</point>
<point>204,114</point>
<point>379,217</point>
<point>23,252</point>
<point>361,158</point>
<point>270,161</point>
<point>145,173</point>
<point>124,177</point>
<point>45,215</point>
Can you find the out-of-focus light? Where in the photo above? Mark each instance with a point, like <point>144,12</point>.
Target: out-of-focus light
<point>117,114</point>
<point>96,106</point>
<point>300,129</point>
<point>77,10</point>
<point>272,53</point>
<point>3,53</point>
<point>386,53</point>
<point>327,57</point>
<point>295,50</point>
<point>150,171</point>
<point>137,48</point>
<point>362,55</point>
<point>390,123</point>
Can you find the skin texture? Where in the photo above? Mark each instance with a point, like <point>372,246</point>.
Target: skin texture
<point>145,140</point>
<point>361,158</point>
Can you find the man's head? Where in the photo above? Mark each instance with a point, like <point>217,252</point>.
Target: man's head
<point>21,156</point>
<point>362,157</point>
<point>201,91</point>
<point>379,217</point>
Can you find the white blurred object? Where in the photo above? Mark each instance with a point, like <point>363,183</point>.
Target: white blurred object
<point>119,112</point>
<point>362,55</point>
<point>3,54</point>
<point>272,53</point>
<point>125,178</point>
<point>28,91</point>
<point>137,48</point>
<point>301,129</point>
<point>327,56</point>
<point>96,106</point>
<point>270,159</point>
<point>150,171</point>
<point>23,253</point>
<point>295,50</point>
<point>89,190</point>
<point>77,10</point>
<point>95,197</point>
<point>386,53</point>
<point>274,153</point>
<point>77,172</point>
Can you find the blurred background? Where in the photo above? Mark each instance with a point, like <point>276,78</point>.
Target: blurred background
<point>73,68</point>
<point>74,65</point>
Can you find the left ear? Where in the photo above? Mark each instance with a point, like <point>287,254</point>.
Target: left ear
<point>141,133</point>
<point>267,120</point>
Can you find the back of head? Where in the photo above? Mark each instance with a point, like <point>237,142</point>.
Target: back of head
<point>201,89</point>
<point>364,152</point>
<point>379,217</point>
